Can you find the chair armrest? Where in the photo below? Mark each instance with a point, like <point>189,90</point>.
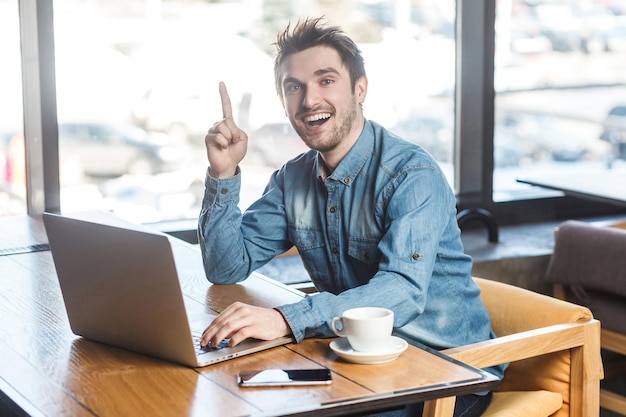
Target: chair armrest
<point>582,341</point>
<point>523,345</point>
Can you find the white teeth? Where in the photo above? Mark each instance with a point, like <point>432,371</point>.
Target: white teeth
<point>316,117</point>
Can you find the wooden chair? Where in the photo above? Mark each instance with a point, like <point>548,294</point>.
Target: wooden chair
<point>588,267</point>
<point>553,348</point>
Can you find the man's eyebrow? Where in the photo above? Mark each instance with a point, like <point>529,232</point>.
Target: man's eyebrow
<point>317,73</point>
<point>289,80</point>
<point>328,70</point>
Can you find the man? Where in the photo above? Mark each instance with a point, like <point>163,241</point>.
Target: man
<point>372,216</point>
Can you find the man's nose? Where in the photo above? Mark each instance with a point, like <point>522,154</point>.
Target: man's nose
<point>310,97</point>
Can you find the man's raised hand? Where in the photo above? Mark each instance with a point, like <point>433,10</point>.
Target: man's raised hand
<point>226,144</point>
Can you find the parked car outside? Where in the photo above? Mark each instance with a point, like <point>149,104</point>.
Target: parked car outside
<point>433,132</point>
<point>179,111</point>
<point>181,93</point>
<point>5,172</point>
<point>110,150</point>
<point>614,131</point>
<point>276,143</point>
<point>12,174</point>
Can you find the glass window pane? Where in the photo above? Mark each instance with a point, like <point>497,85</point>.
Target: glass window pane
<point>137,88</point>
<point>560,81</point>
<point>12,161</point>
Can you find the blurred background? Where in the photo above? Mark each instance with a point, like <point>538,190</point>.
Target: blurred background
<point>137,91</point>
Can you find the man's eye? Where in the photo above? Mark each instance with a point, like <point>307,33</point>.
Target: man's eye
<point>292,88</point>
<point>327,81</point>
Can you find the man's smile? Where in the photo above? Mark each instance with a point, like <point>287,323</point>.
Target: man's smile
<point>317,119</point>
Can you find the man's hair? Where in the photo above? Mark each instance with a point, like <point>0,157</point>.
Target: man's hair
<point>312,32</point>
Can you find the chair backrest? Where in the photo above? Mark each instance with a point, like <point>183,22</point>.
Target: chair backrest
<point>588,267</point>
<point>514,310</point>
<point>590,261</point>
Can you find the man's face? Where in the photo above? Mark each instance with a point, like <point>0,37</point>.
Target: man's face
<point>319,100</point>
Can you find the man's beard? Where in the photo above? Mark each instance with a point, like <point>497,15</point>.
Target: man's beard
<point>338,133</point>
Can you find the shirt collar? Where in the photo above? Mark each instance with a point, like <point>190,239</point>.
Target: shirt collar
<point>353,162</point>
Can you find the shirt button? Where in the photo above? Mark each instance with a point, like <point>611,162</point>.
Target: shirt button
<point>224,191</point>
<point>416,256</point>
<point>333,209</point>
<point>347,180</point>
<point>212,190</point>
<point>335,251</point>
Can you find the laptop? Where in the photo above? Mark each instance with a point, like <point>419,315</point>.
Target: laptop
<point>120,286</point>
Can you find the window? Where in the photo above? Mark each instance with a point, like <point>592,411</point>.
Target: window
<point>149,69</point>
<point>155,77</point>
<point>560,74</point>
<point>12,178</point>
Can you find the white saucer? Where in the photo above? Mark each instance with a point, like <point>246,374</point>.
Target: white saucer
<point>343,349</point>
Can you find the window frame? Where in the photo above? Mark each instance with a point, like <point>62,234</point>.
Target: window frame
<point>41,143</point>
<point>474,131</point>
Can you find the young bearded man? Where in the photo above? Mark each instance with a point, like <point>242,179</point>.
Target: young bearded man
<point>372,215</point>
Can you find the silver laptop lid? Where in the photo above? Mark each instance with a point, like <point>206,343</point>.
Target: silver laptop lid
<point>120,285</point>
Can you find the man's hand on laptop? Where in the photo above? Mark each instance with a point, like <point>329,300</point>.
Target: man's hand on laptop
<point>240,321</point>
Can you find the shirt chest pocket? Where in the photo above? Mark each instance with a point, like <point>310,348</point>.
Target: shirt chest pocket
<point>364,250</point>
<point>306,239</point>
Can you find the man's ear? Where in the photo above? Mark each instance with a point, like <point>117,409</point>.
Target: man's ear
<point>361,89</point>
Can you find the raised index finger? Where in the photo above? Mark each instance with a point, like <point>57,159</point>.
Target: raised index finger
<point>227,109</point>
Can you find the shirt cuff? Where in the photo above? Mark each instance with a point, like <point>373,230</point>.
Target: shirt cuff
<point>222,190</point>
<point>302,320</point>
<point>290,313</point>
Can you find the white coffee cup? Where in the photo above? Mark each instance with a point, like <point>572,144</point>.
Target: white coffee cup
<point>368,329</point>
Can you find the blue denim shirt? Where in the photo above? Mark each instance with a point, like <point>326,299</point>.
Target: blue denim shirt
<point>381,230</point>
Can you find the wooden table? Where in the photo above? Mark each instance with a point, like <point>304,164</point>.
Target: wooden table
<point>45,370</point>
<point>603,185</point>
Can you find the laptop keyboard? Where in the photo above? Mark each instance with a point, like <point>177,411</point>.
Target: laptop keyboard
<point>200,350</point>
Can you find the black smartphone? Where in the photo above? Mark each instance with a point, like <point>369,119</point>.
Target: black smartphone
<point>284,377</point>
